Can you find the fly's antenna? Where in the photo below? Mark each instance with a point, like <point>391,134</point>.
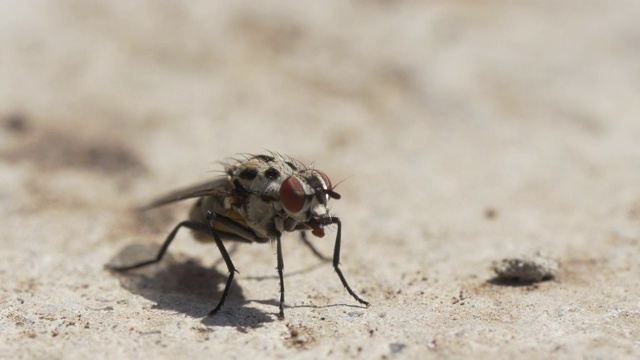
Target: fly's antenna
<point>341,181</point>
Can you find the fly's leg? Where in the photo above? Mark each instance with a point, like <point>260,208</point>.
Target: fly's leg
<point>193,225</point>
<point>281,275</point>
<point>305,240</point>
<point>336,263</point>
<point>227,260</point>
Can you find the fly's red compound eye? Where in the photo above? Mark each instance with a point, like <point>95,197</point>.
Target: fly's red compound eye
<point>329,190</point>
<point>325,178</point>
<point>292,194</point>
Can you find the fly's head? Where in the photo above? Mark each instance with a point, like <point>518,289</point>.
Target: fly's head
<point>305,196</point>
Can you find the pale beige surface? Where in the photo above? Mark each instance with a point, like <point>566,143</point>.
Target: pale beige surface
<point>468,131</point>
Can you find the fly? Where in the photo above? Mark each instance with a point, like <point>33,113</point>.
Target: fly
<point>260,198</point>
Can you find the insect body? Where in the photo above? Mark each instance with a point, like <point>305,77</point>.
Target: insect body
<point>260,198</point>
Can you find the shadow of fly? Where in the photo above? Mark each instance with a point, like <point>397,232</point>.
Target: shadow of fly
<point>260,198</point>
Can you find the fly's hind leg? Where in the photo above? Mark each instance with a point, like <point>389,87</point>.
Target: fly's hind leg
<point>193,225</point>
<point>225,256</point>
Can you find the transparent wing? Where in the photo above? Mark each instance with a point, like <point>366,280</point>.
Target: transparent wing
<point>215,187</point>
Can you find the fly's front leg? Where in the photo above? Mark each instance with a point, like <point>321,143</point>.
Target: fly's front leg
<point>336,263</point>
<point>227,260</point>
<point>281,275</point>
<point>193,225</point>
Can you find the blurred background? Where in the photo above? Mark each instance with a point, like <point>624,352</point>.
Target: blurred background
<point>438,101</point>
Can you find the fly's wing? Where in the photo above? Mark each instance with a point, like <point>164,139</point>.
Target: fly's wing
<point>216,187</point>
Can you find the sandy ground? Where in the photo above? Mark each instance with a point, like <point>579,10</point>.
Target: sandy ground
<point>468,132</point>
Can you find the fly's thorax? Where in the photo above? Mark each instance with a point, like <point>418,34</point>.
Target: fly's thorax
<point>256,182</point>
<point>262,216</point>
<point>263,175</point>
